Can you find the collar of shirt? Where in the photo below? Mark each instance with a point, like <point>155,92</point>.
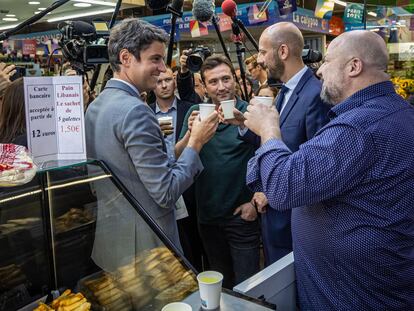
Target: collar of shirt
<point>264,83</point>
<point>173,106</point>
<point>293,82</point>
<point>291,85</point>
<point>359,98</point>
<point>129,84</point>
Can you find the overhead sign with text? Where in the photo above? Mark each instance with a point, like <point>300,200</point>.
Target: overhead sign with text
<point>54,118</point>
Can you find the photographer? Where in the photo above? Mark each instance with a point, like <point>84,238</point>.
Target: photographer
<point>190,87</point>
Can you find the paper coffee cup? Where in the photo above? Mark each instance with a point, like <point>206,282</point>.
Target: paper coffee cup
<point>165,120</point>
<point>227,106</point>
<point>209,285</point>
<point>206,110</point>
<point>265,100</point>
<point>177,306</point>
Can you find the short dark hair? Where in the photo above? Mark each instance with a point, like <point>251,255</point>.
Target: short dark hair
<point>215,60</point>
<point>135,35</point>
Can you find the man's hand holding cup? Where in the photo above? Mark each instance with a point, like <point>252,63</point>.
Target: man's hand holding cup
<point>166,125</point>
<point>202,131</point>
<point>263,121</point>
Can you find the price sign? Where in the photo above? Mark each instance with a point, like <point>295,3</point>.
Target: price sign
<point>54,118</point>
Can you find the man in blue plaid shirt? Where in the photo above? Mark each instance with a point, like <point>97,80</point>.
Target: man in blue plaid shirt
<point>350,188</point>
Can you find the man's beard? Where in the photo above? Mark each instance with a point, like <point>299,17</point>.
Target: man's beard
<point>331,95</point>
<point>276,70</point>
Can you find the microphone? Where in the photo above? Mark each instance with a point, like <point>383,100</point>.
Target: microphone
<point>157,4</point>
<point>78,29</point>
<point>229,8</point>
<point>203,10</point>
<point>176,7</point>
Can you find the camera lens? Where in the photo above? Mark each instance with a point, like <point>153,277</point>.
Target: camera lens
<point>194,62</point>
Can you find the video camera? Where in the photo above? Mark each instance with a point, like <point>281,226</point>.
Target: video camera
<point>310,56</point>
<point>197,57</point>
<point>83,44</point>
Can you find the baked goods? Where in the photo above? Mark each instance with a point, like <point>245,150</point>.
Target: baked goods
<point>11,276</point>
<point>68,301</point>
<point>73,218</point>
<point>16,166</point>
<point>105,292</point>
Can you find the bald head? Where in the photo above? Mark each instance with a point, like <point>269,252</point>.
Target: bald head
<point>364,44</point>
<point>286,33</point>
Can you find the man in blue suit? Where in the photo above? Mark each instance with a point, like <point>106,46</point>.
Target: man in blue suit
<point>302,114</point>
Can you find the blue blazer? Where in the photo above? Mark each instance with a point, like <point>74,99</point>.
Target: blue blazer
<point>303,115</point>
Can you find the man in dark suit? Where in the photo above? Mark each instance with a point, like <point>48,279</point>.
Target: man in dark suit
<point>167,104</point>
<point>302,114</point>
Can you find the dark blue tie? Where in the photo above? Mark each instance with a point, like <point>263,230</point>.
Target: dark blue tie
<point>281,97</point>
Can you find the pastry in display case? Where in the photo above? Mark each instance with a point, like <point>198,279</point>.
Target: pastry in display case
<point>81,233</point>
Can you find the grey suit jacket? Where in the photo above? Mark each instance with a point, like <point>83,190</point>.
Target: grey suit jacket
<point>122,131</point>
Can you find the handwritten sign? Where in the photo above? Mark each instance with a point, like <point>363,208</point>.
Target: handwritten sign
<point>54,118</point>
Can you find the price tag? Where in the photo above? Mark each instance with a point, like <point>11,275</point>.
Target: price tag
<point>54,118</point>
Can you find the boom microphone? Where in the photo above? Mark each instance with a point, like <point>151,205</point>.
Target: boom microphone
<point>176,7</point>
<point>157,4</point>
<point>203,10</point>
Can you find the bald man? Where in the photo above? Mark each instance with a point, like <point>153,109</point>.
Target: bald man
<point>350,188</point>
<point>302,115</point>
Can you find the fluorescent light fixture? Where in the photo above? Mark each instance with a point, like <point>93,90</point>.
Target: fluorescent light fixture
<point>372,14</point>
<point>78,182</point>
<point>82,5</point>
<point>41,9</point>
<point>8,26</point>
<point>34,2</point>
<point>97,2</point>
<point>10,15</point>
<point>15,197</point>
<point>340,2</point>
<point>10,19</point>
<point>66,17</point>
<point>37,12</point>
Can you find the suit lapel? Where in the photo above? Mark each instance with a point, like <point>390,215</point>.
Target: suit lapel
<point>295,96</point>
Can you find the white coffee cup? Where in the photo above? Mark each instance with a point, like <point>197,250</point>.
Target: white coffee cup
<point>209,284</point>
<point>227,106</point>
<point>265,100</point>
<point>177,306</point>
<point>165,120</point>
<point>206,110</point>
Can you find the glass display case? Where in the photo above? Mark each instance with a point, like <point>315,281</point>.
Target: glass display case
<point>77,227</point>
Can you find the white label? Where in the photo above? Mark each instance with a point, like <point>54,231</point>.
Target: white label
<point>54,118</point>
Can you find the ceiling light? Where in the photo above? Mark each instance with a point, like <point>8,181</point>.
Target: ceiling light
<point>82,4</point>
<point>34,2</point>
<point>66,17</point>
<point>98,2</point>
<point>372,14</point>
<point>10,15</point>
<point>10,19</point>
<point>8,26</point>
<point>41,9</point>
<point>37,12</point>
<point>340,2</point>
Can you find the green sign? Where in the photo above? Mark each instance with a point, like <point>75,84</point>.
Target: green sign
<point>354,13</point>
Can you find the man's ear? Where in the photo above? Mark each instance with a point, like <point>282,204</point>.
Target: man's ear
<point>355,67</point>
<point>125,57</point>
<point>283,51</point>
